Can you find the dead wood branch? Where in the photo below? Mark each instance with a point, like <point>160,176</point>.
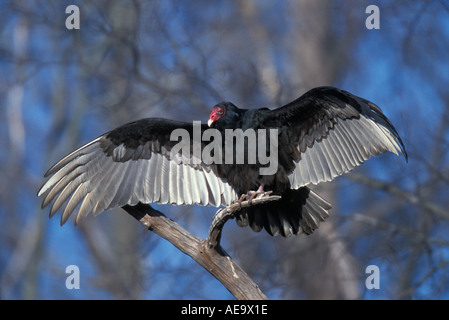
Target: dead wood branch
<point>207,252</point>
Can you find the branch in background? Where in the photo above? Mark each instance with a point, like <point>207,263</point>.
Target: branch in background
<point>207,252</point>
<point>394,228</point>
<point>396,191</point>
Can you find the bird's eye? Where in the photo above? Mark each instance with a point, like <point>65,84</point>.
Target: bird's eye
<point>220,112</point>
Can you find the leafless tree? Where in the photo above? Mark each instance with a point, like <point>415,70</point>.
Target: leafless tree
<point>131,59</point>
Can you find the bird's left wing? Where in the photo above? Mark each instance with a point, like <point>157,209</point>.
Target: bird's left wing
<point>132,164</point>
<point>328,132</point>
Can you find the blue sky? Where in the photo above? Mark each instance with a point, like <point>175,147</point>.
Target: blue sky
<point>381,74</point>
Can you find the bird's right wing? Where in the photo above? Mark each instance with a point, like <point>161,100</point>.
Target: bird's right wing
<point>328,132</point>
<point>132,164</point>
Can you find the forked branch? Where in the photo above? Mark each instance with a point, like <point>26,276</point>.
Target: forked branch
<point>207,252</point>
<point>226,213</point>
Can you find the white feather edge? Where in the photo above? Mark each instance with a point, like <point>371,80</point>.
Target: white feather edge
<point>92,181</point>
<point>348,144</point>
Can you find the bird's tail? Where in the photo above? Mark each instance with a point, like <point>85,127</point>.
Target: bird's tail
<point>298,211</point>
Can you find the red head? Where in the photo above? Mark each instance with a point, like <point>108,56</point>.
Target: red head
<point>217,112</point>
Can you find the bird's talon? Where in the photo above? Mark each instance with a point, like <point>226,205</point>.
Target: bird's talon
<point>239,201</point>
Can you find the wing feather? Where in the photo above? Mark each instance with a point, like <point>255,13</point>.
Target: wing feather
<point>164,186</point>
<point>334,131</point>
<point>129,165</point>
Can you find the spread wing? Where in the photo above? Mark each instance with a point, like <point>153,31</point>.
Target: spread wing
<point>328,132</point>
<point>132,164</point>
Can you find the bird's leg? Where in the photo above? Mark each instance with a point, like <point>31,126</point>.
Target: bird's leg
<point>239,201</point>
<point>254,194</point>
<point>242,197</point>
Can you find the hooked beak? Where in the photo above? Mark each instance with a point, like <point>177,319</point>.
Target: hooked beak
<point>209,122</point>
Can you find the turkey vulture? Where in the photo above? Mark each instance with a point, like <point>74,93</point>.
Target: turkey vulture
<point>321,135</point>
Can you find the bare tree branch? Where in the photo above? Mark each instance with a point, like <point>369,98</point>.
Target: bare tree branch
<point>223,215</point>
<point>396,191</point>
<point>207,252</point>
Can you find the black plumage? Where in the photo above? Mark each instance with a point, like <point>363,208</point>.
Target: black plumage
<point>321,135</point>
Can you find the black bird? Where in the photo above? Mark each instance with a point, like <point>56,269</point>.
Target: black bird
<point>321,135</point>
